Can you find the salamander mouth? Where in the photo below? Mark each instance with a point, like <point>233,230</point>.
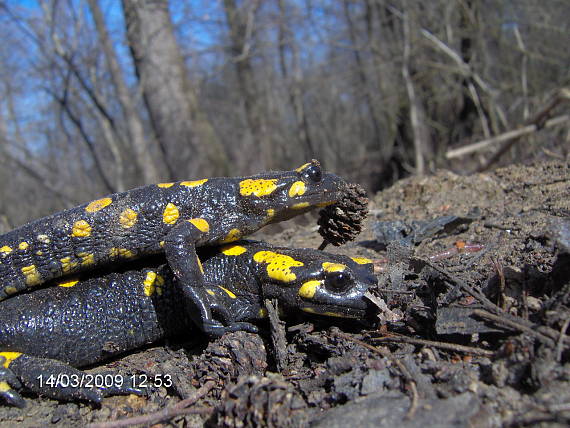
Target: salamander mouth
<point>363,310</point>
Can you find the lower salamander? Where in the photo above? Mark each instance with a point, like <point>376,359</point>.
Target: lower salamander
<point>53,330</point>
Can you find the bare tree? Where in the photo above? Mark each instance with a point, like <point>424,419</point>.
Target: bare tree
<point>293,75</point>
<point>241,21</point>
<point>147,164</point>
<point>186,140</point>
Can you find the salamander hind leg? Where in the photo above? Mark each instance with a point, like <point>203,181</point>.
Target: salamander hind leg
<point>9,384</point>
<point>56,380</point>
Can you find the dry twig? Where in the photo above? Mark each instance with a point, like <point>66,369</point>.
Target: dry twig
<point>500,319</point>
<point>436,344</point>
<point>180,408</point>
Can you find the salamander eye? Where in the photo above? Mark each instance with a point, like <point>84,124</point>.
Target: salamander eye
<point>313,173</point>
<point>338,282</point>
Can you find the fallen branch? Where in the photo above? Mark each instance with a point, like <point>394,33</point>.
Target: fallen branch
<point>498,319</point>
<point>435,344</point>
<point>516,133</point>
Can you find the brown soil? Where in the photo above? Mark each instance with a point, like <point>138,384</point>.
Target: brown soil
<point>490,313</point>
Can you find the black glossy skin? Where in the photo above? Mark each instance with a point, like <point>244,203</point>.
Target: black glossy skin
<point>107,315</point>
<point>173,218</point>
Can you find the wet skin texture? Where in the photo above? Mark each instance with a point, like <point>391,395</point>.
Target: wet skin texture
<point>169,218</point>
<point>83,322</point>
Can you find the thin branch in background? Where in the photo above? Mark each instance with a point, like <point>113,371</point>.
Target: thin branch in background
<point>8,159</point>
<point>419,141</point>
<point>62,101</point>
<point>524,66</point>
<point>469,73</point>
<point>538,122</point>
<point>507,136</point>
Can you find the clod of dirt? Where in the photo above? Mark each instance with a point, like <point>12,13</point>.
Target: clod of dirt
<point>261,401</point>
<point>342,222</point>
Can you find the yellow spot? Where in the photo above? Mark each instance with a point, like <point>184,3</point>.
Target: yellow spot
<point>260,187</point>
<point>200,266</point>
<point>334,314</point>
<point>10,289</point>
<point>67,265</point>
<point>68,283</point>
<point>328,314</point>
<point>87,259</point>
<point>262,313</point>
<point>278,265</point>
<point>309,288</point>
<point>194,183</point>
<point>300,205</point>
<point>4,386</point>
<point>201,224</point>
<point>23,245</point>
<point>32,275</point>
<point>148,283</point>
<point>165,185</point>
<point>170,214</point>
<point>361,260</point>
<point>233,235</point>
<point>44,239</point>
<point>81,229</point>
<point>9,357</point>
<point>121,252</point>
<point>228,292</point>
<point>270,214</point>
<point>233,250</point>
<point>153,284</point>
<point>161,243</point>
<point>39,253</point>
<point>333,267</point>
<point>97,205</point>
<point>5,250</point>
<point>324,204</point>
<point>302,167</point>
<point>210,292</point>
<point>128,218</point>
<point>297,189</point>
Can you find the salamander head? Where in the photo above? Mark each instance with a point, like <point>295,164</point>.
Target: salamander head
<point>282,195</point>
<point>316,282</point>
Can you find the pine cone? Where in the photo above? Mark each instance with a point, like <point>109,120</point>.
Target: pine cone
<point>261,402</point>
<point>341,222</point>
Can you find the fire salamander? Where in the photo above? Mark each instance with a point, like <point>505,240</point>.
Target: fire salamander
<point>54,329</point>
<point>170,218</point>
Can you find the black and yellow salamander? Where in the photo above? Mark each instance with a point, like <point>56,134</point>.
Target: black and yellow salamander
<point>46,333</point>
<point>170,218</point>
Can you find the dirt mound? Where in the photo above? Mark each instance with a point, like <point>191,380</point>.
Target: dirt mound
<point>475,275</point>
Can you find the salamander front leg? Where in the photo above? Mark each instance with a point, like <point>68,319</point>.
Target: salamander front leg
<point>180,249</point>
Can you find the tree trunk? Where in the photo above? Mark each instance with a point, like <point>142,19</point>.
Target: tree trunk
<point>186,140</point>
<point>240,24</point>
<point>287,41</point>
<point>142,148</point>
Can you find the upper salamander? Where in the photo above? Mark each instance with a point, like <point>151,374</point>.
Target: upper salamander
<point>173,218</point>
